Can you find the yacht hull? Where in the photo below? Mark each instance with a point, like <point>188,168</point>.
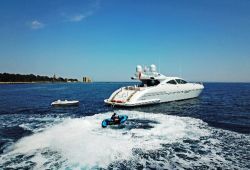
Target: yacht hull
<point>128,97</point>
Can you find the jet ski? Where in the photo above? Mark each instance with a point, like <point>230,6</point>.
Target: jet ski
<point>121,120</point>
<point>65,103</point>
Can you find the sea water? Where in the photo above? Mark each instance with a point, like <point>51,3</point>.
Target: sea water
<point>209,132</point>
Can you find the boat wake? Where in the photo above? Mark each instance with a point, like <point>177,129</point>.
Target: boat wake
<point>146,140</point>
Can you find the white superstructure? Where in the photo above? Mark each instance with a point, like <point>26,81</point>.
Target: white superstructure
<point>154,88</point>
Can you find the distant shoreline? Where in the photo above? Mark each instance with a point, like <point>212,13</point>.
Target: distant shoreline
<point>34,82</point>
<point>10,78</point>
<point>56,82</point>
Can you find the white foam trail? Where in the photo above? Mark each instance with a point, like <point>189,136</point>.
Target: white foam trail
<point>83,143</point>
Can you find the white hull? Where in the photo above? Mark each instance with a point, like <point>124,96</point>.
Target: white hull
<point>65,103</point>
<point>136,96</point>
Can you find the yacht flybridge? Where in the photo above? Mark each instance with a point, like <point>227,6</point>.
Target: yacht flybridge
<point>154,88</point>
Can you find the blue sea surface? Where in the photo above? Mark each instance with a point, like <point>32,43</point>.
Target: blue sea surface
<point>208,132</point>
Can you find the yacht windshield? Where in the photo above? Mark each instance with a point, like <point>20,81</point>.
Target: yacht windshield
<point>148,83</point>
<point>172,82</point>
<point>180,81</point>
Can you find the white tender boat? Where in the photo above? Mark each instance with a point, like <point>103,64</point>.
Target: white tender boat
<point>65,103</point>
<point>154,88</point>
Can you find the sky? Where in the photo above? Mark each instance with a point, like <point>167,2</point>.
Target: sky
<point>199,40</point>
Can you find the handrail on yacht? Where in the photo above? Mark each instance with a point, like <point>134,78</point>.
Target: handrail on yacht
<point>131,95</point>
<point>116,94</point>
<point>133,88</point>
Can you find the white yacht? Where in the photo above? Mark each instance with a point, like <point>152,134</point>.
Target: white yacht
<point>154,88</point>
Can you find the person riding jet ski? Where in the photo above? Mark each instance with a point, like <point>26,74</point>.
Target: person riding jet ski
<point>115,118</point>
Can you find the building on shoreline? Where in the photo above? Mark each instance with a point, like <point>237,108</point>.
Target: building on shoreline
<point>87,80</point>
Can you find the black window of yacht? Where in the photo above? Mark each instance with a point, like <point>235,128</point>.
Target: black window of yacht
<point>171,82</point>
<point>180,81</point>
<point>149,83</point>
<point>152,82</point>
<point>183,82</point>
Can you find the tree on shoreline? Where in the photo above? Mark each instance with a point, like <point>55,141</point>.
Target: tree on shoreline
<point>7,77</point>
